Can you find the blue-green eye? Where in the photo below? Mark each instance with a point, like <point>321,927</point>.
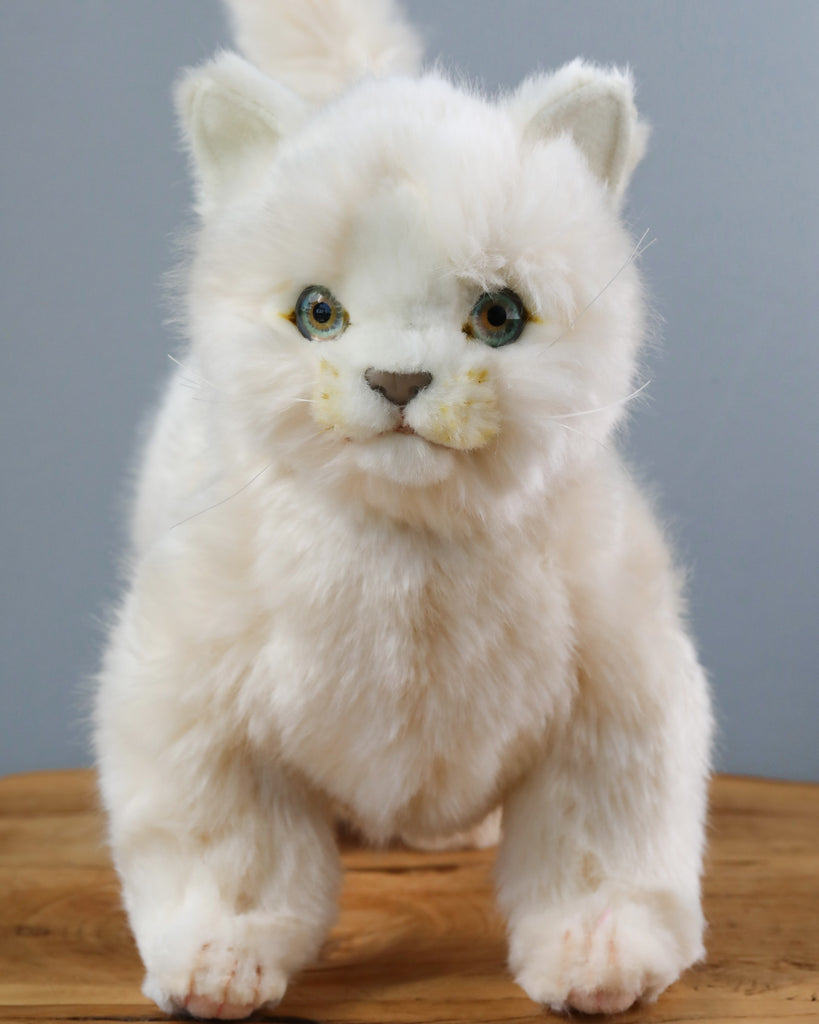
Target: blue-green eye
<point>319,315</point>
<point>497,318</point>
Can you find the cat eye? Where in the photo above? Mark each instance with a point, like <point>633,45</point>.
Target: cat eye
<point>497,318</point>
<point>319,315</point>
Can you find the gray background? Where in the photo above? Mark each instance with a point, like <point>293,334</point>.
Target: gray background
<point>93,188</point>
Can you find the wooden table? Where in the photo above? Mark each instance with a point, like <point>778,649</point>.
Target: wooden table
<point>418,938</point>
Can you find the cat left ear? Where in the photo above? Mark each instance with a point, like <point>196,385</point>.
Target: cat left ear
<point>596,108</point>
<point>233,117</point>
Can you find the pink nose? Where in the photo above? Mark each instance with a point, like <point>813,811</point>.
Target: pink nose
<point>398,388</point>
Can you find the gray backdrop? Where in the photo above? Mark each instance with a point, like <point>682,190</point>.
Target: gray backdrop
<point>93,188</point>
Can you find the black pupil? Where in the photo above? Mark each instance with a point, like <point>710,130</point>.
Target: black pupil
<point>496,316</point>
<point>322,312</point>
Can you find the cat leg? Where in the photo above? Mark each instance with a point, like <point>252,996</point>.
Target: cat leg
<point>600,860</point>
<point>229,877</point>
<point>228,864</point>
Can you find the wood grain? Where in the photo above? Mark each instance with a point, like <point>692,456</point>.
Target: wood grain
<point>419,940</point>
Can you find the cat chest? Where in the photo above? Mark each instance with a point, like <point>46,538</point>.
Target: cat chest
<point>390,692</point>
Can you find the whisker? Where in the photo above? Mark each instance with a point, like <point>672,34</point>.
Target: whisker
<point>230,497</point>
<point>602,408</point>
<point>193,375</point>
<point>588,437</point>
<point>636,252</point>
<point>640,248</point>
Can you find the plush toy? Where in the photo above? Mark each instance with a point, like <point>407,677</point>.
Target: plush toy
<point>386,564</point>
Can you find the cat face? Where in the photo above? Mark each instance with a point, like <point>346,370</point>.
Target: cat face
<point>414,300</point>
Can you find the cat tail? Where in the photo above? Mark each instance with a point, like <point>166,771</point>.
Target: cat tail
<point>320,47</point>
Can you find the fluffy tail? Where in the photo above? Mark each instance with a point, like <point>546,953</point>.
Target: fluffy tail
<point>319,47</point>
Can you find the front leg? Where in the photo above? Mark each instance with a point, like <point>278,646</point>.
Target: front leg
<point>601,857</point>
<point>230,887</point>
<point>229,867</point>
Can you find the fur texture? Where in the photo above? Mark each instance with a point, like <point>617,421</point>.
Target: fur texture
<point>319,47</point>
<point>409,614</point>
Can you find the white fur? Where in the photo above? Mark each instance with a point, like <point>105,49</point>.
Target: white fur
<point>319,47</point>
<point>328,616</point>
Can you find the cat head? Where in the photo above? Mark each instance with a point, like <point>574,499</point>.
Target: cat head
<point>413,297</point>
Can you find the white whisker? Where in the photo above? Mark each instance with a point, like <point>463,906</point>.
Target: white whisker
<point>195,379</point>
<point>216,504</point>
<point>636,252</point>
<point>602,408</point>
<point>640,248</point>
<point>588,437</point>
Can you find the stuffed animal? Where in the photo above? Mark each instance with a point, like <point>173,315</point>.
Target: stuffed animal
<point>386,564</point>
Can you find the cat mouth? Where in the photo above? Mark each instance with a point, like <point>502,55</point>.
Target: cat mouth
<point>408,461</point>
<point>407,431</point>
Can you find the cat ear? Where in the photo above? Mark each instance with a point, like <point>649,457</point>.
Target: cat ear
<point>233,118</point>
<point>596,108</point>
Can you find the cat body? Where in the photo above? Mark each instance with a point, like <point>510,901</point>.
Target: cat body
<point>385,561</point>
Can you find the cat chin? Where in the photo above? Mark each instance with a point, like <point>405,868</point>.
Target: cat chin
<point>407,460</point>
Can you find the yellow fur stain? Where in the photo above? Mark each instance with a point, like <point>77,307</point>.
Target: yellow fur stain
<point>327,396</point>
<point>469,417</point>
<point>465,416</point>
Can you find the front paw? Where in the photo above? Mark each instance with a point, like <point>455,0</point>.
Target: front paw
<point>602,956</point>
<point>225,981</point>
<point>223,967</point>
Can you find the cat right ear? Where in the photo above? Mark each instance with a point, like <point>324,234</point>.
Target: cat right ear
<point>233,117</point>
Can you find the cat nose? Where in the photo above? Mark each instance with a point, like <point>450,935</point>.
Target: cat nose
<point>398,388</point>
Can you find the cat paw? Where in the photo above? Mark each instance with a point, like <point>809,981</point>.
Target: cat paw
<point>601,958</point>
<point>221,985</point>
<point>600,1000</point>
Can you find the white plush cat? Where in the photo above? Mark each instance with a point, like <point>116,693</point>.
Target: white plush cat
<point>385,562</point>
